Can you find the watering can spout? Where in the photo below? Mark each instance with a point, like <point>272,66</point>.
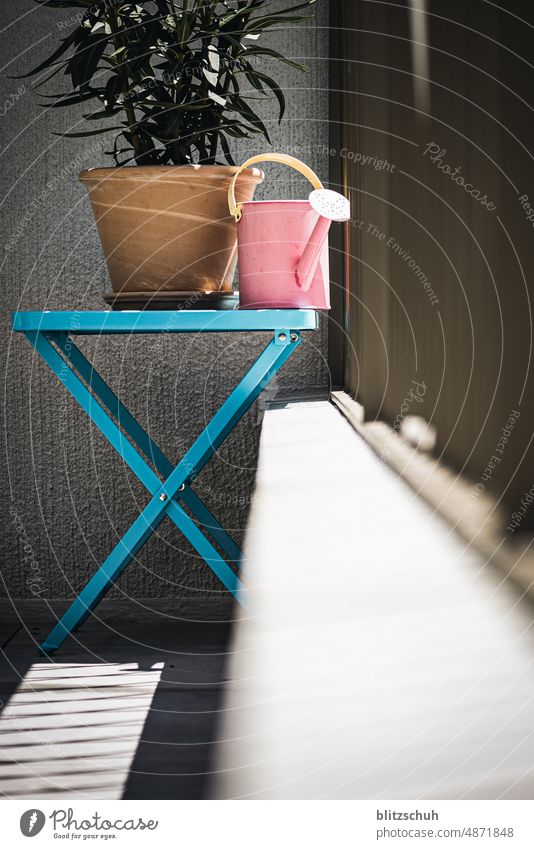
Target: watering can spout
<point>331,206</point>
<point>307,264</point>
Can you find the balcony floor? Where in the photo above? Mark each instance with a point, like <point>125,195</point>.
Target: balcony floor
<point>131,710</point>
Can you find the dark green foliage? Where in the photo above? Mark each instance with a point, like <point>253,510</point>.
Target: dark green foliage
<point>169,75</point>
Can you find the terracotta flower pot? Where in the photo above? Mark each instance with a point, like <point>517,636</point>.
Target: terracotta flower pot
<point>167,228</point>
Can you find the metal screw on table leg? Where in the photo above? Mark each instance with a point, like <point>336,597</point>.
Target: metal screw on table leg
<point>163,497</point>
<point>282,337</point>
<point>181,487</point>
<point>294,337</point>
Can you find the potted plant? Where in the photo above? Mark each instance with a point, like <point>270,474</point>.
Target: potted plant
<point>172,83</point>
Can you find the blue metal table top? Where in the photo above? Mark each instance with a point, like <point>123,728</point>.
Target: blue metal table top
<point>164,321</point>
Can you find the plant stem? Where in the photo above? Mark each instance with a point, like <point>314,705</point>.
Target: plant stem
<point>136,138</point>
<point>128,108</point>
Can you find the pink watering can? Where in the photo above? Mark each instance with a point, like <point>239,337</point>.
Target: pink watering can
<point>283,244</point>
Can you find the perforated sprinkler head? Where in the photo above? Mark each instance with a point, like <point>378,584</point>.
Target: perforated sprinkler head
<point>330,204</point>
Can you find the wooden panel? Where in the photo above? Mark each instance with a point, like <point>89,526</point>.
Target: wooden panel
<point>338,235</point>
<point>441,278</point>
<point>382,661</point>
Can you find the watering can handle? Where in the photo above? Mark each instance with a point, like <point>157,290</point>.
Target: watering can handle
<point>285,159</point>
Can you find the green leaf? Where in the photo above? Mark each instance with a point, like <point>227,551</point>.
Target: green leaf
<point>225,36</point>
<point>226,149</point>
<point>305,5</point>
<point>87,133</point>
<point>83,64</point>
<point>256,75</point>
<point>266,51</point>
<point>238,133</point>
<point>239,105</point>
<point>101,114</point>
<point>61,4</point>
<point>165,106</point>
<point>113,88</point>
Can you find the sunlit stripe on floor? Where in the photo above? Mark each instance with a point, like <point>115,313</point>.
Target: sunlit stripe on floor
<point>73,729</point>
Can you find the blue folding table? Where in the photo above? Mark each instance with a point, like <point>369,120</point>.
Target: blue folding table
<point>169,486</point>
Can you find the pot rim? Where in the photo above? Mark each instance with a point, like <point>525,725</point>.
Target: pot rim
<point>159,173</point>
<point>274,200</point>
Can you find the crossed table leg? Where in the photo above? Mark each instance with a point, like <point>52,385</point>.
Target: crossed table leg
<point>169,485</point>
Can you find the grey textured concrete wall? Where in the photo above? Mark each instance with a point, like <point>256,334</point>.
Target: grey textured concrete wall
<point>68,497</point>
